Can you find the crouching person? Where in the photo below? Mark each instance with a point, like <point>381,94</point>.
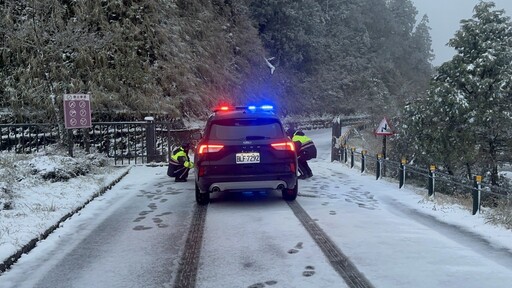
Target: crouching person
<point>306,150</point>
<point>180,164</point>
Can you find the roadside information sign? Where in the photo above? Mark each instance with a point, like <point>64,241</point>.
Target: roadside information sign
<point>77,111</point>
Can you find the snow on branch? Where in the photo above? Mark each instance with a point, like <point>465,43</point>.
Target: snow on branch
<point>272,67</point>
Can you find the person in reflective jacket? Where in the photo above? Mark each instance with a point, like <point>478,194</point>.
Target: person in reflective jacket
<point>179,163</point>
<point>306,150</point>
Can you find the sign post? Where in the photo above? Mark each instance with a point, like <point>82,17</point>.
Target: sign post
<point>384,129</point>
<point>77,114</point>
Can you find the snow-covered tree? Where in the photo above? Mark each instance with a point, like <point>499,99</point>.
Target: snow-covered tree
<point>468,110</point>
<point>421,48</point>
<point>179,58</point>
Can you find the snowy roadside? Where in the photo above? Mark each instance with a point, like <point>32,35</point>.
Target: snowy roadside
<point>40,191</point>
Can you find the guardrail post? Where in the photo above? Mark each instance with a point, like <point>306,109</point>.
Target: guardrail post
<point>477,194</point>
<point>335,152</point>
<point>401,173</point>
<point>336,133</point>
<point>363,157</point>
<point>352,157</point>
<point>379,166</point>
<point>150,139</point>
<point>431,179</point>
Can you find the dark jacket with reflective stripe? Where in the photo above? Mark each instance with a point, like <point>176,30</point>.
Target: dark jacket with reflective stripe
<point>305,147</point>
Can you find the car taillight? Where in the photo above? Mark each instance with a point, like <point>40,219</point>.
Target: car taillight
<point>284,146</point>
<point>208,148</point>
<point>293,168</point>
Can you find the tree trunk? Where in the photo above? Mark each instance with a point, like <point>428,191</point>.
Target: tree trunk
<point>494,163</point>
<point>470,173</point>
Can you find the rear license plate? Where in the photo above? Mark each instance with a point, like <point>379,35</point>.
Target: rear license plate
<point>243,158</point>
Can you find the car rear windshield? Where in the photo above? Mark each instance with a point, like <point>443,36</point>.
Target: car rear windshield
<point>246,129</point>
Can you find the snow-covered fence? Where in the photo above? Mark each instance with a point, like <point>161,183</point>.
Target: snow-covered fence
<point>138,142</point>
<point>126,142</point>
<point>428,177</point>
<point>307,123</point>
<point>27,138</point>
<point>341,128</point>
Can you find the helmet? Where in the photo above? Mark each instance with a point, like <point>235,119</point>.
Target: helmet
<point>186,145</point>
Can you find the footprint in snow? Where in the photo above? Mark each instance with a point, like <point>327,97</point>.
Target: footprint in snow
<point>295,249</point>
<point>141,227</point>
<point>138,219</point>
<point>310,271</point>
<point>261,285</point>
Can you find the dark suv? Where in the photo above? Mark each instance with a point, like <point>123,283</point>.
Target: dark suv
<point>245,149</point>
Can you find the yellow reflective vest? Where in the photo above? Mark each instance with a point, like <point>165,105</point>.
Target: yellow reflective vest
<point>180,157</point>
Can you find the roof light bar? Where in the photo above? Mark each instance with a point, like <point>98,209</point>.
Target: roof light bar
<point>250,108</point>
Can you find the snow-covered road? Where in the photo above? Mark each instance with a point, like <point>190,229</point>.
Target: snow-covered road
<point>133,236</point>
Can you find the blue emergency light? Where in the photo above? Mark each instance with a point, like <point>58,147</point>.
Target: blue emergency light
<point>262,107</point>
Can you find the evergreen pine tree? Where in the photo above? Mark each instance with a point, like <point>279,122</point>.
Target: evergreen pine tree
<point>468,108</point>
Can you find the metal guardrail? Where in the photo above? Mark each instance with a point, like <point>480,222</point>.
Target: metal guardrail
<point>430,177</point>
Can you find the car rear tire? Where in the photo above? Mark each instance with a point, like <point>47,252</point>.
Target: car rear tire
<point>202,198</point>
<point>291,194</point>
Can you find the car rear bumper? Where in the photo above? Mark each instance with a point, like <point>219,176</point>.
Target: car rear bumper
<point>244,183</point>
<point>227,186</point>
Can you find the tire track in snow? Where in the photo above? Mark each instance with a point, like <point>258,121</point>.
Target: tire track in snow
<point>189,262</point>
<point>341,263</point>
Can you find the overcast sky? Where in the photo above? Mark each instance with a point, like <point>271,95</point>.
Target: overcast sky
<point>445,16</point>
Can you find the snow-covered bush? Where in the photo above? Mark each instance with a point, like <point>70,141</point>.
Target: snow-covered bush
<point>7,177</point>
<point>502,214</point>
<point>5,197</point>
<point>50,165</point>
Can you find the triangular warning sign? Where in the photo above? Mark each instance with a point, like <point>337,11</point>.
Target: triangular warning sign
<point>384,128</point>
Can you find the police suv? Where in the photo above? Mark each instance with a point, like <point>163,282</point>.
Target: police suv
<point>244,149</point>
